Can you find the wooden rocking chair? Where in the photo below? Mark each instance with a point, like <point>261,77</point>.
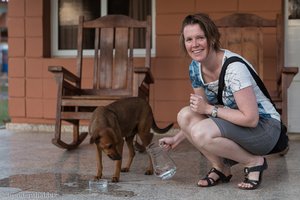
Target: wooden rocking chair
<point>115,75</point>
<point>243,33</point>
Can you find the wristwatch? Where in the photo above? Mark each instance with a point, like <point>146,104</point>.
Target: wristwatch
<point>214,112</point>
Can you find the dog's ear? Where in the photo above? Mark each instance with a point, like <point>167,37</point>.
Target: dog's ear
<point>95,138</point>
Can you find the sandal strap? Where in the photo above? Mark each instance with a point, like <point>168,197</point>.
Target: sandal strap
<point>210,181</point>
<point>222,177</point>
<point>258,168</point>
<point>252,182</point>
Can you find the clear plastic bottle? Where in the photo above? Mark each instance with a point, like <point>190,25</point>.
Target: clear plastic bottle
<point>164,167</point>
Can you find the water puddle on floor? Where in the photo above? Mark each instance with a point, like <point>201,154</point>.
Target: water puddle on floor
<point>59,184</point>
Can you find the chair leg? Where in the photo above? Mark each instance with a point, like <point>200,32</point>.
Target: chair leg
<point>77,138</point>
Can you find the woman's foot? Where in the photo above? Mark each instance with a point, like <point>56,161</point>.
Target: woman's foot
<point>213,177</point>
<point>253,175</point>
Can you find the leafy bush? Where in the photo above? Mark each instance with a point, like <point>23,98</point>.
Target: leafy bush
<point>3,105</point>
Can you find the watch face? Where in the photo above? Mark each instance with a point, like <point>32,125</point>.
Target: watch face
<point>214,112</point>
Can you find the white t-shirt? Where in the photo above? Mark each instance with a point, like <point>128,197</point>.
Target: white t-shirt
<point>237,77</point>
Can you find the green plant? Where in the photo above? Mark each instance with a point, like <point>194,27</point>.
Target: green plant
<point>3,106</point>
<point>3,111</point>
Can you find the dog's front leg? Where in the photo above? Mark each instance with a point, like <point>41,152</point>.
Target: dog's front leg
<point>118,163</point>
<point>146,137</point>
<point>116,176</point>
<point>99,162</point>
<point>129,142</point>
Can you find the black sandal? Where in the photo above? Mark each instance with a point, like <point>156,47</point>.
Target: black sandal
<point>254,183</point>
<point>211,181</point>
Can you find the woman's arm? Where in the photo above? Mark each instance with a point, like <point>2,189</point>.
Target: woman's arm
<point>246,114</point>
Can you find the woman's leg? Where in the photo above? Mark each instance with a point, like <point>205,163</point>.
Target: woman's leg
<point>205,135</point>
<point>186,120</point>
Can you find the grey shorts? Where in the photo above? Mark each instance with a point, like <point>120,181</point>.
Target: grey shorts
<point>259,140</point>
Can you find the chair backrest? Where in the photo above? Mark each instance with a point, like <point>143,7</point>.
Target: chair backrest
<point>250,35</point>
<point>114,41</point>
<point>243,34</point>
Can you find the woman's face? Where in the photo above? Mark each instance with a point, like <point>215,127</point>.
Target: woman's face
<point>195,42</point>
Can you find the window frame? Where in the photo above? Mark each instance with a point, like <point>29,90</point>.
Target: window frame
<point>55,52</point>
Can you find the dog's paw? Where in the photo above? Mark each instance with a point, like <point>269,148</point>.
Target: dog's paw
<point>115,179</point>
<point>148,172</point>
<point>97,178</point>
<point>125,169</point>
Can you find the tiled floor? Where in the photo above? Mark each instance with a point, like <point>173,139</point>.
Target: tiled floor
<point>32,168</point>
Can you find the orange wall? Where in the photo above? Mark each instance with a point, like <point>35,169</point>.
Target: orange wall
<point>32,89</point>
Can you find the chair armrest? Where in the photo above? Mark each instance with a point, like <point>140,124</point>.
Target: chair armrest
<point>287,76</point>
<point>145,70</point>
<point>66,73</point>
<point>290,70</point>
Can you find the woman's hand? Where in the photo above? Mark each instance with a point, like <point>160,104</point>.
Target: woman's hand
<point>171,142</point>
<point>198,104</point>
<point>167,143</point>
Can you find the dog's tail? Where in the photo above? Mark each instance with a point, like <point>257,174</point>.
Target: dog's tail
<point>161,130</point>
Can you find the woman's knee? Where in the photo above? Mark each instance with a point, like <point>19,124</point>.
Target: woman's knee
<point>204,132</point>
<point>184,115</point>
<point>199,136</point>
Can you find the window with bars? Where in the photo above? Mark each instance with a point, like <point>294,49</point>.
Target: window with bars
<point>66,13</point>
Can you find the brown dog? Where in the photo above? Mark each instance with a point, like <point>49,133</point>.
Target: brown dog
<point>124,118</point>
